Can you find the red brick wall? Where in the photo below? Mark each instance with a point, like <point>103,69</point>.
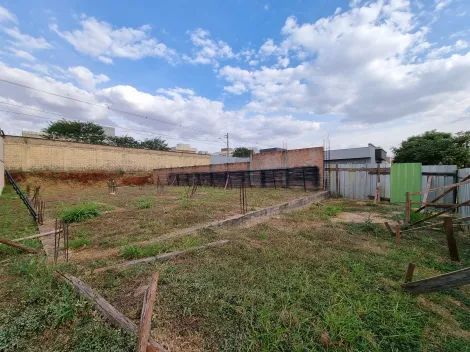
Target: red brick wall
<point>262,161</point>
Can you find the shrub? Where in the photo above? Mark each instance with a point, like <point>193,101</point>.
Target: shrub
<point>144,203</point>
<point>80,212</point>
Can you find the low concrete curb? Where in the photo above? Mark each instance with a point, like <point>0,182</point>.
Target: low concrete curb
<point>248,219</point>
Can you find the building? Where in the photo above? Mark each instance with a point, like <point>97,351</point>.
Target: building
<point>186,148</point>
<point>363,155</point>
<point>224,151</point>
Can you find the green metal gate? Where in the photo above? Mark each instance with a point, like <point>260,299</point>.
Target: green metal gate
<point>405,178</point>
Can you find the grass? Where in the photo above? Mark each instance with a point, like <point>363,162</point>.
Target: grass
<point>144,203</point>
<point>80,212</point>
<point>37,313</point>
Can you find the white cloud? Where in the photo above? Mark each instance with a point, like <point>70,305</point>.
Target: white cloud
<point>7,16</point>
<point>101,40</point>
<point>354,3</point>
<point>266,7</point>
<point>86,78</point>
<point>368,65</point>
<point>441,4</point>
<point>176,106</point>
<point>253,62</point>
<point>237,89</point>
<point>26,41</point>
<point>444,50</point>
<point>207,51</point>
<point>268,48</point>
<point>23,54</point>
<point>337,11</point>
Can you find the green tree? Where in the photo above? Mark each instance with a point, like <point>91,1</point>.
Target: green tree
<point>76,131</point>
<point>435,148</point>
<point>242,152</point>
<point>123,141</point>
<point>154,144</point>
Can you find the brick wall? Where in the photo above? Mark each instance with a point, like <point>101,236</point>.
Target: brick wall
<point>261,161</point>
<point>162,173</point>
<point>33,154</point>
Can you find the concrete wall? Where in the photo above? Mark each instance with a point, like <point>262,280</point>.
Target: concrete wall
<point>2,167</point>
<point>261,161</point>
<point>32,154</point>
<point>223,159</point>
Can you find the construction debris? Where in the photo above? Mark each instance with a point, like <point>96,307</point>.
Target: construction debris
<point>146,315</point>
<point>110,313</point>
<point>17,245</point>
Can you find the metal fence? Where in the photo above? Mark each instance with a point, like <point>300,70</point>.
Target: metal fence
<point>308,178</point>
<point>464,192</point>
<point>22,196</point>
<point>359,181</point>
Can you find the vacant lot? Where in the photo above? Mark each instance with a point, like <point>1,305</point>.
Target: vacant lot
<point>323,278</point>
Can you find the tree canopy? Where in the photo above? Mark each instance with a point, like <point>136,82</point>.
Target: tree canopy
<point>435,148</point>
<point>154,144</point>
<point>89,132</point>
<point>242,152</point>
<point>76,131</point>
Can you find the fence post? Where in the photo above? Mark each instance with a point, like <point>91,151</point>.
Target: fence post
<point>409,273</point>
<point>274,180</point>
<point>407,209</point>
<point>303,176</point>
<point>451,243</point>
<point>337,180</point>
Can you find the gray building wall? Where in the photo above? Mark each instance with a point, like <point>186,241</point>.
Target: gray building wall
<point>223,159</point>
<point>362,155</point>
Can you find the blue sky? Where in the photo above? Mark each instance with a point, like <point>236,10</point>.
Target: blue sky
<point>266,72</point>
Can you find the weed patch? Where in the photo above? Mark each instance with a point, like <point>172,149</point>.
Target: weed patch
<point>80,212</point>
<point>144,203</point>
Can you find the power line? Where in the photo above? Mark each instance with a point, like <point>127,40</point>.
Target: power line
<point>123,128</point>
<point>104,106</point>
<point>121,111</point>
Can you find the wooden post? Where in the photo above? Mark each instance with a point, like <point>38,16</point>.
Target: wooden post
<point>397,235</point>
<point>226,182</point>
<point>452,244</point>
<point>146,314</point>
<point>428,187</point>
<point>18,245</point>
<point>409,273</point>
<point>387,225</point>
<point>303,176</point>
<point>337,180</point>
<point>407,209</point>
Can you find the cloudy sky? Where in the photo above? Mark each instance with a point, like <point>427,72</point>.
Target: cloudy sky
<point>266,72</point>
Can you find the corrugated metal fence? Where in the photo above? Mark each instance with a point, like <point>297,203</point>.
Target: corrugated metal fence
<point>361,184</point>
<point>464,192</point>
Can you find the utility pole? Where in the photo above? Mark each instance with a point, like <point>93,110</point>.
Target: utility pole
<point>228,154</point>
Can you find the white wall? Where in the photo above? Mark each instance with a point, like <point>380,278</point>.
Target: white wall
<point>2,167</point>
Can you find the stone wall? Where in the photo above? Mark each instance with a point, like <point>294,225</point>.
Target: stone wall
<point>33,154</point>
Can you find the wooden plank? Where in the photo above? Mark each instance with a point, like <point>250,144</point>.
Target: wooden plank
<point>453,279</point>
<point>146,315</point>
<point>110,313</point>
<point>443,187</point>
<point>160,257</point>
<point>444,194</point>
<point>442,212</point>
<point>35,236</point>
<point>17,245</point>
<point>387,225</point>
<point>451,243</point>
<point>409,272</point>
<point>420,228</point>
<point>428,187</point>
